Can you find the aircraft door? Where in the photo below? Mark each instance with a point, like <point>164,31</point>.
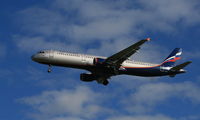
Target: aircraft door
<point>51,54</point>
<point>83,59</point>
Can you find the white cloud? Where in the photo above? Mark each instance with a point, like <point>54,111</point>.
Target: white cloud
<point>147,96</point>
<point>66,118</point>
<point>41,21</point>
<point>81,102</point>
<point>103,29</point>
<point>74,24</point>
<point>173,11</point>
<point>27,44</point>
<point>142,117</point>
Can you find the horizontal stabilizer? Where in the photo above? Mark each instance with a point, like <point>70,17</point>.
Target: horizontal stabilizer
<point>181,66</point>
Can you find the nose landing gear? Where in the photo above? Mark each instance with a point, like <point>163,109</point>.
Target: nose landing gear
<point>49,69</point>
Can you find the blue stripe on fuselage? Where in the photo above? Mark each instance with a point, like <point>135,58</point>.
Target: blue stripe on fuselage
<point>153,71</point>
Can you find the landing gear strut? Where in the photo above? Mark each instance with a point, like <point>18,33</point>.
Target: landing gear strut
<point>49,69</point>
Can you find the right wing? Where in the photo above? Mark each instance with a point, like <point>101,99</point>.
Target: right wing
<point>118,58</point>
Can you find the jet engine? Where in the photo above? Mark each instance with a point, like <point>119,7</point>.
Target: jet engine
<point>91,77</point>
<point>87,77</point>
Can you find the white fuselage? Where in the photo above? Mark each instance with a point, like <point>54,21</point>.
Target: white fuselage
<point>66,59</point>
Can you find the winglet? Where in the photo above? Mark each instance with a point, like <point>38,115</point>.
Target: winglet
<point>148,39</point>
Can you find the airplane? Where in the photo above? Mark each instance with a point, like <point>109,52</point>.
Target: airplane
<point>103,68</point>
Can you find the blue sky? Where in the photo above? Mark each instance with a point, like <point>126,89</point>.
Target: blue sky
<point>99,27</point>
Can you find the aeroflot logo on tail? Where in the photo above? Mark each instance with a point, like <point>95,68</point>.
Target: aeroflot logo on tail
<point>174,58</point>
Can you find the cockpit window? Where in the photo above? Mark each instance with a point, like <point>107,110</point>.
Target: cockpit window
<point>41,52</point>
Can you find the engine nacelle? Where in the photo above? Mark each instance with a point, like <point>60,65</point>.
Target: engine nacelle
<point>87,77</point>
<point>98,61</point>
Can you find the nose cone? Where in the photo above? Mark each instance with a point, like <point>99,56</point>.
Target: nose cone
<point>33,57</point>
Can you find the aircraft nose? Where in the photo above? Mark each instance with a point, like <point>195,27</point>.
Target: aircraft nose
<point>33,57</point>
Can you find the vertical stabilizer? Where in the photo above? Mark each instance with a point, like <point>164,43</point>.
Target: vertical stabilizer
<point>172,58</point>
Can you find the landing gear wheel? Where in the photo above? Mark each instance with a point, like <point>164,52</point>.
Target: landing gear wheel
<point>105,82</point>
<point>49,69</point>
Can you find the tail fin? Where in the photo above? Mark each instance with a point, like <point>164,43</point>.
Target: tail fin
<point>172,58</point>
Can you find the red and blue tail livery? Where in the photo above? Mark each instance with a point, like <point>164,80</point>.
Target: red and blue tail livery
<point>102,68</point>
<point>172,58</point>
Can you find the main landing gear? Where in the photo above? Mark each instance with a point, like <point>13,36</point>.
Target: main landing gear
<point>49,69</point>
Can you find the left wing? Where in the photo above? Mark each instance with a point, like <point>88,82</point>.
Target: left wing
<point>118,58</point>
<point>113,62</point>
